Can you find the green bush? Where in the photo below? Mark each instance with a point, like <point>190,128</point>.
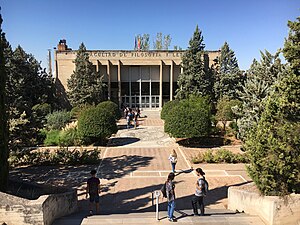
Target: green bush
<point>61,156</point>
<point>57,120</point>
<point>52,138</point>
<point>111,108</point>
<point>208,156</point>
<point>189,118</point>
<point>95,125</point>
<point>69,137</point>
<point>42,109</point>
<point>77,110</point>
<point>220,156</point>
<point>167,108</point>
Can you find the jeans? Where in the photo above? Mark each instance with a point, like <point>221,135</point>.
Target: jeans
<point>173,167</point>
<point>171,208</point>
<point>195,201</point>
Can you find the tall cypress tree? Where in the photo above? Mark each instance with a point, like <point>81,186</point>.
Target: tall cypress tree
<point>291,50</point>
<point>228,78</point>
<point>3,116</point>
<point>195,79</point>
<point>85,85</point>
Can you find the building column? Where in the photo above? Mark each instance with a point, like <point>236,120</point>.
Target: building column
<point>160,83</point>
<point>56,65</point>
<point>97,66</point>
<point>108,80</point>
<point>171,80</point>
<point>119,84</point>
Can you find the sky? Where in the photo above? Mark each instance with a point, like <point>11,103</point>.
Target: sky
<point>248,26</point>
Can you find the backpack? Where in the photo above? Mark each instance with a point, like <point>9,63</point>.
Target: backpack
<point>206,186</point>
<point>164,190</point>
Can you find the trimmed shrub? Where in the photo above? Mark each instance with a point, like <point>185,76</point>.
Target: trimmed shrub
<point>189,118</point>
<point>77,110</point>
<point>167,108</point>
<point>112,108</point>
<point>95,125</point>
<point>57,120</point>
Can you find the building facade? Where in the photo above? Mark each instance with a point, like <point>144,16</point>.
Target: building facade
<point>144,79</point>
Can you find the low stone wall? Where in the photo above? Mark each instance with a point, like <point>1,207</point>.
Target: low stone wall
<point>42,211</point>
<point>59,205</point>
<point>271,209</point>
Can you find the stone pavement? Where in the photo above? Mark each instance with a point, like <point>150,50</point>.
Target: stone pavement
<point>135,164</point>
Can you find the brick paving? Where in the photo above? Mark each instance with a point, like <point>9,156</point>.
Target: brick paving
<point>135,164</point>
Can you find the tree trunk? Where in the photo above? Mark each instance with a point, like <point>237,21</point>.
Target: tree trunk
<point>3,120</point>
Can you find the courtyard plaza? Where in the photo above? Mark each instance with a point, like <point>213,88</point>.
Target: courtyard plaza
<point>134,165</point>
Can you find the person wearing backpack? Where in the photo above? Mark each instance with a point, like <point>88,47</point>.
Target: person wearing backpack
<point>169,193</point>
<point>201,191</point>
<point>93,189</point>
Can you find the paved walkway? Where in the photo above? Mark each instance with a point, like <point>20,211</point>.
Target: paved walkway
<point>135,164</point>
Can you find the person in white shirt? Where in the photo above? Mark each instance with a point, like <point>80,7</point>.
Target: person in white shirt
<point>173,159</point>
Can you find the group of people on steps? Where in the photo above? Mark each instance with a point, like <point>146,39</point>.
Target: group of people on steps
<point>201,188</point>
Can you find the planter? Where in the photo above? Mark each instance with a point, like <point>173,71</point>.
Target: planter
<point>272,210</point>
<point>42,211</point>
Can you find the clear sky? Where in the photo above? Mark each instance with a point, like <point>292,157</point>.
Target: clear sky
<point>247,25</point>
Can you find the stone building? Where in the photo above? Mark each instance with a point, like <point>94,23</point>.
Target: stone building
<point>144,79</point>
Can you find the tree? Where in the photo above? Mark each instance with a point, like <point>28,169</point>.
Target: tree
<point>4,152</point>
<point>291,49</point>
<point>158,45</point>
<point>256,88</point>
<point>274,144</point>
<point>85,85</point>
<point>27,86</point>
<point>195,79</point>
<point>228,77</point>
<point>224,110</point>
<point>167,41</point>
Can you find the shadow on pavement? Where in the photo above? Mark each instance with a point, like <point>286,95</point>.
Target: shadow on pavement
<point>121,141</point>
<point>119,166</point>
<point>122,203</point>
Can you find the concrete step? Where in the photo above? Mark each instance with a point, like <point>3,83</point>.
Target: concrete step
<point>212,217</point>
<point>152,114</point>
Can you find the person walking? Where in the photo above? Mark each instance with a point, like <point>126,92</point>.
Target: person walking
<point>173,160</point>
<point>93,190</point>
<point>170,191</point>
<point>199,193</point>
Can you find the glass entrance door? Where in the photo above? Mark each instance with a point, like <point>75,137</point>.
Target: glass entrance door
<point>142,92</point>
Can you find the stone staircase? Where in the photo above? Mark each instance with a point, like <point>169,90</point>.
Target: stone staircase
<point>212,217</point>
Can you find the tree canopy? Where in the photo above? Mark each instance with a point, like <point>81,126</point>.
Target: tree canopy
<point>291,49</point>
<point>228,77</point>
<point>195,79</point>
<point>256,88</point>
<point>85,85</point>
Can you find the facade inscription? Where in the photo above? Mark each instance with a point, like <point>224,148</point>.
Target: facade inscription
<point>135,54</point>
